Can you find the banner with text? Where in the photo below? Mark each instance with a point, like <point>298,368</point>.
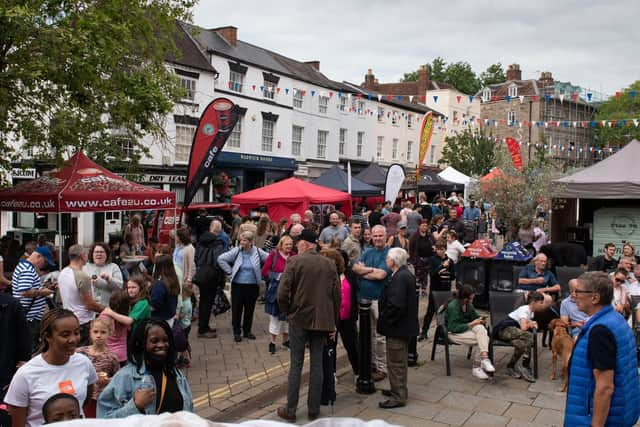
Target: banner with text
<point>215,126</point>
<point>425,140</point>
<point>514,150</point>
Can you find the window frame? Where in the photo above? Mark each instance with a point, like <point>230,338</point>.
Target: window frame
<point>296,143</point>
<point>359,144</point>
<point>233,82</point>
<point>395,143</point>
<point>266,91</point>
<point>323,104</point>
<point>186,148</point>
<point>267,140</point>
<point>409,151</point>
<point>236,131</point>
<point>323,137</point>
<point>380,148</point>
<point>342,141</point>
<point>298,98</point>
<point>191,91</point>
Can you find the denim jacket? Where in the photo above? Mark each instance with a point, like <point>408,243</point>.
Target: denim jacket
<point>116,400</point>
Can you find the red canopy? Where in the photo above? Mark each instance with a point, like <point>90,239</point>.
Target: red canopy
<point>289,196</point>
<point>83,186</point>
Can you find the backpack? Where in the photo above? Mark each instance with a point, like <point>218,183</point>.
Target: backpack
<point>206,259</point>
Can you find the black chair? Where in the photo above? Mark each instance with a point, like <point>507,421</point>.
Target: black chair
<point>516,274</point>
<point>441,336</point>
<point>564,275</point>
<point>500,305</point>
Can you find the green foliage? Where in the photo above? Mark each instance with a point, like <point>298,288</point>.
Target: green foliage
<point>471,152</point>
<point>458,74</point>
<point>492,75</point>
<point>516,194</point>
<point>624,107</point>
<point>85,75</point>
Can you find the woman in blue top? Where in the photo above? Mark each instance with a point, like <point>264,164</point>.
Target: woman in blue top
<point>150,382</point>
<point>244,265</point>
<point>164,293</point>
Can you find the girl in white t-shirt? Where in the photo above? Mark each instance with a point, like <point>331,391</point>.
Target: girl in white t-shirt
<point>56,369</point>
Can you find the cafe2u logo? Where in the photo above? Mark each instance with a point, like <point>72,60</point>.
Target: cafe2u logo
<point>624,225</point>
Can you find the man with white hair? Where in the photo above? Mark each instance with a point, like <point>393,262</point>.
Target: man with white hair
<point>373,271</point>
<point>398,322</point>
<point>536,277</point>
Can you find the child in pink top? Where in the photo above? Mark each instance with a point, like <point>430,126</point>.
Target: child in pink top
<point>118,307</point>
<point>345,302</point>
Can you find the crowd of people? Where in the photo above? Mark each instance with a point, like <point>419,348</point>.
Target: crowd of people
<point>108,336</point>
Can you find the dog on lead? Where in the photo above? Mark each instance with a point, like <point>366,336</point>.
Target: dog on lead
<point>562,346</point>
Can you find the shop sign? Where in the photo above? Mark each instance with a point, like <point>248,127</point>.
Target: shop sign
<point>164,179</point>
<point>615,225</point>
<point>27,173</point>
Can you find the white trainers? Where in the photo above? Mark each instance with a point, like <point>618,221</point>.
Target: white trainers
<point>486,365</point>
<point>479,373</point>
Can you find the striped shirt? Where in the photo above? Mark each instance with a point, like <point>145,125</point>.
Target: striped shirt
<point>25,278</point>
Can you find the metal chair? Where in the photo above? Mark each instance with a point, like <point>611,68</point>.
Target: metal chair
<point>441,336</point>
<point>500,305</point>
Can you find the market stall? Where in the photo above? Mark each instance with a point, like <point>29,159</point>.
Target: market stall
<point>289,196</point>
<point>81,185</point>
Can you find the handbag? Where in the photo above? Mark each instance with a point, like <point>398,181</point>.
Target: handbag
<point>220,302</point>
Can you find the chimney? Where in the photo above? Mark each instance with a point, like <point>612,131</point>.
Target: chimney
<point>546,79</point>
<point>514,73</point>
<point>423,80</point>
<point>370,82</point>
<point>229,33</point>
<point>314,64</point>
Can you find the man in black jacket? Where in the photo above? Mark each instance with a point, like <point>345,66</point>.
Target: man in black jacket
<point>398,322</point>
<point>208,275</point>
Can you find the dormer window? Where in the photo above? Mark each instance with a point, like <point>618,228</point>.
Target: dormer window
<point>486,94</point>
<point>513,91</point>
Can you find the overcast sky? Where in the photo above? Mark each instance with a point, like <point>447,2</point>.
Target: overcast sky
<point>591,43</point>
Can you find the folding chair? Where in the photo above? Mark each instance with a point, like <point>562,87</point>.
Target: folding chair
<point>500,305</point>
<point>441,336</point>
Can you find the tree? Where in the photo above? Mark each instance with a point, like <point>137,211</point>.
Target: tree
<point>86,75</point>
<point>470,151</point>
<point>492,75</point>
<point>620,108</point>
<point>458,74</point>
<point>436,72</point>
<point>461,76</point>
<point>515,195</point>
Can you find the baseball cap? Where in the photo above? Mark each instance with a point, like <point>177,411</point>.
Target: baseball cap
<point>46,253</point>
<point>402,224</point>
<point>308,236</point>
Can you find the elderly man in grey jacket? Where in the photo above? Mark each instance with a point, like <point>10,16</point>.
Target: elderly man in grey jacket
<point>309,294</point>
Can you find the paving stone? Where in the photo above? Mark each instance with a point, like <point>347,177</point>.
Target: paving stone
<point>407,421</point>
<point>427,393</point>
<point>522,412</point>
<point>498,391</point>
<point>482,419</point>
<point>550,401</point>
<point>463,401</point>
<point>452,416</point>
<point>417,409</point>
<point>493,406</point>
<point>519,423</point>
<point>550,417</point>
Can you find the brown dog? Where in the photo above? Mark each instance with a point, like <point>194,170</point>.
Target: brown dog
<point>562,346</point>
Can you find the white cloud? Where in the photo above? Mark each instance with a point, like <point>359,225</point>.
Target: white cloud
<point>590,43</point>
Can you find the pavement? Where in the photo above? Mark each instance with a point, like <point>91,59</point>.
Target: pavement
<point>234,382</point>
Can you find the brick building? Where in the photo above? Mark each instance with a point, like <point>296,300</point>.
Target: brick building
<point>543,112</point>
